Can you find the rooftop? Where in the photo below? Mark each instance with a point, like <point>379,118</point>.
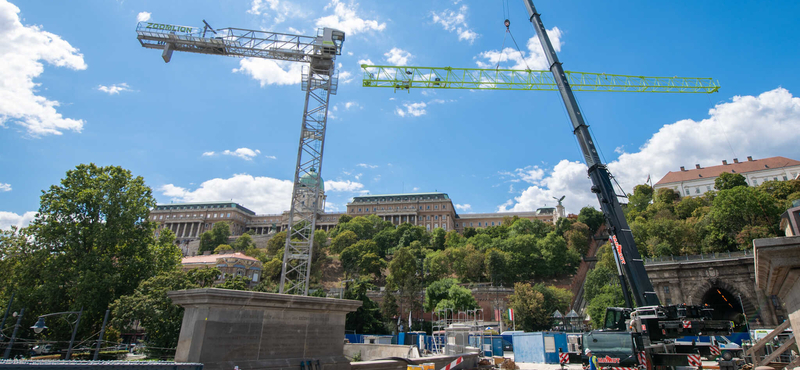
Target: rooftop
<point>498,214</point>
<point>212,258</point>
<point>751,165</point>
<point>370,197</point>
<point>204,205</point>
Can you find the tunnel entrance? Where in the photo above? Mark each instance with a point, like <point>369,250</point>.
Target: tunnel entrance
<point>726,306</point>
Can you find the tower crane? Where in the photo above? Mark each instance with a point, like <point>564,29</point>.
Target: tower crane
<point>645,326</point>
<point>319,81</point>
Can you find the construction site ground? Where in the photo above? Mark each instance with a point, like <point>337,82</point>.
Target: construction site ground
<point>531,366</point>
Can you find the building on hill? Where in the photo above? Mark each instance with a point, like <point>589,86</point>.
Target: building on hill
<point>431,210</point>
<point>229,264</point>
<point>697,181</point>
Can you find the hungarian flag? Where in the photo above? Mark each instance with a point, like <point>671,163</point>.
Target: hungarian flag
<point>511,314</point>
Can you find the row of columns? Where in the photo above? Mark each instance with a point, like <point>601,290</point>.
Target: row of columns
<point>264,230</point>
<point>399,219</point>
<point>185,229</point>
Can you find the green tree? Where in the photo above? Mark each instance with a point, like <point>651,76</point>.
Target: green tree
<point>205,277</point>
<point>467,263</point>
<point>404,277</point>
<point>640,199</point>
<point>735,208</point>
<point>453,239</point>
<point>497,263</point>
<point>243,243</point>
<point>596,280</point>
<point>149,305</point>
<point>666,196</point>
<point>592,218</point>
<point>367,318</point>
<point>458,299</point>
<point>578,238</point>
<point>528,305</point>
<point>437,291</point>
<point>438,239</point>
<point>610,296</point>
<point>437,265</point>
<point>218,235</point>
<point>780,190</point>
<point>276,244</point>
<point>91,243</point>
<point>222,249</point>
<point>235,283</point>
<point>745,237</point>
<point>563,225</point>
<point>727,180</point>
<point>343,240</point>
<point>558,258</point>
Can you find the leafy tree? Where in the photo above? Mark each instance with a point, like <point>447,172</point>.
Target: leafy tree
<point>222,249</point>
<point>458,299</point>
<point>90,243</point>
<point>367,318</point>
<point>735,208</point>
<point>266,286</point>
<point>437,265</point>
<point>563,225</point>
<point>404,277</point>
<point>243,243</point>
<point>745,237</point>
<point>219,235</point>
<point>667,196</point>
<point>558,259</point>
<point>578,238</point>
<point>641,198</point>
<point>438,239</point>
<point>437,291</point>
<point>272,269</point>
<point>153,310</point>
<point>467,263</point>
<point>610,296</point>
<point>524,226</point>
<point>686,207</point>
<point>343,240</point>
<point>204,277</point>
<point>276,244</point>
<point>598,278</point>
<point>780,190</point>
<point>453,239</point>
<point>554,298</point>
<point>528,305</point>
<point>469,232</point>
<point>497,263</point>
<point>592,218</point>
<point>727,180</point>
<point>235,283</point>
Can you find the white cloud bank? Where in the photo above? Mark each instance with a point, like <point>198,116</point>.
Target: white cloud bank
<point>345,18</point>
<point>271,72</point>
<point>346,185</point>
<point>463,207</point>
<point>4,187</point>
<point>143,17</point>
<point>261,194</point>
<point>8,219</point>
<point>760,126</point>
<point>22,50</point>
<point>398,57</point>
<point>456,21</point>
<point>278,10</point>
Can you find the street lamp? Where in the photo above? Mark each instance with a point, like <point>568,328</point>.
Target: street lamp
<point>40,326</point>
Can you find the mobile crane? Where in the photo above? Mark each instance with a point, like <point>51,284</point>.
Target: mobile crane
<point>319,81</point>
<point>641,334</point>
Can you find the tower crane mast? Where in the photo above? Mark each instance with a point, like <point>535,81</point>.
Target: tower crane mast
<point>319,81</point>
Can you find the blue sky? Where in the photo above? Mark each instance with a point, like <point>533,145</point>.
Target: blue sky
<point>77,87</point>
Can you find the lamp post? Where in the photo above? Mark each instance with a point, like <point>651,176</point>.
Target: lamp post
<point>40,326</point>
<point>14,334</point>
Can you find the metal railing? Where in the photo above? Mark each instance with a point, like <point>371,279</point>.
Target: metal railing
<point>698,257</point>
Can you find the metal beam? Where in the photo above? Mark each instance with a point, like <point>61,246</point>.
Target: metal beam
<point>404,77</point>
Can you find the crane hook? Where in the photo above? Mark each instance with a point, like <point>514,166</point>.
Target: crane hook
<point>507,23</point>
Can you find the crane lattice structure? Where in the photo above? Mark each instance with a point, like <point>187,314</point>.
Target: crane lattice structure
<point>319,81</point>
<point>406,78</point>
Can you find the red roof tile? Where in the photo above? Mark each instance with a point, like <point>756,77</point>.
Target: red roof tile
<point>714,171</point>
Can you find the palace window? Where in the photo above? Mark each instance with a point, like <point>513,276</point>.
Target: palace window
<point>708,187</point>
<point>435,217</point>
<point>666,289</point>
<point>429,207</point>
<point>229,215</point>
<point>785,178</point>
<point>697,190</point>
<point>479,224</point>
<point>470,224</point>
<point>359,209</point>
<point>428,218</point>
<point>435,207</point>
<point>492,223</point>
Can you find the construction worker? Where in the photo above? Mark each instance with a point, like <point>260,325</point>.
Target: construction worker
<point>593,365</point>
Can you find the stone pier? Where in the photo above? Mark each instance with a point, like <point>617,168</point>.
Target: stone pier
<point>252,330</point>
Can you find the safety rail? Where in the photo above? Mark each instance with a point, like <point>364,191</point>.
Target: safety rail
<point>697,257</point>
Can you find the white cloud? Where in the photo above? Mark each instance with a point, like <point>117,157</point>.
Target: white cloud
<point>271,156</point>
<point>4,187</point>
<point>510,58</point>
<point>566,178</point>
<point>271,72</point>
<point>8,219</point>
<point>243,153</point>
<point>261,194</point>
<point>344,18</point>
<point>114,89</point>
<point>143,17</point>
<point>365,61</point>
<point>415,189</point>
<point>358,176</point>
<point>398,57</point>
<point>746,122</point>
<point>413,109</point>
<point>278,10</point>
<point>351,104</point>
<point>347,185</point>
<point>367,165</point>
<point>620,149</point>
<point>22,50</point>
<point>345,77</point>
<point>463,207</point>
<point>455,21</point>
<point>350,53</point>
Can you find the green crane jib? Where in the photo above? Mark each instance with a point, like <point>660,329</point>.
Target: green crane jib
<point>403,77</point>
<point>319,81</point>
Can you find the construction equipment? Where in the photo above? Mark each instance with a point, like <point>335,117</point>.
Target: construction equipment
<point>319,81</point>
<point>641,335</point>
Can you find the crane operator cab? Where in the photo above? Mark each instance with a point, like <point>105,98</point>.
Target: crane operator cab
<point>329,42</point>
